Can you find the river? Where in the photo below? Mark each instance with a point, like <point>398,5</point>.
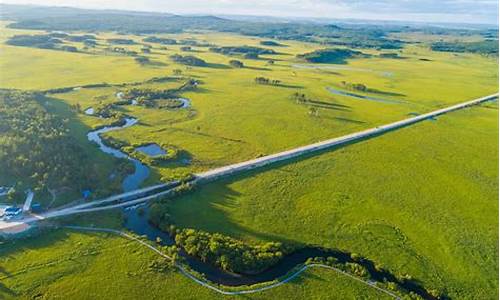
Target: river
<point>137,222</point>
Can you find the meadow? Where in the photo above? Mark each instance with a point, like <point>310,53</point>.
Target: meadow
<point>234,119</point>
<point>420,201</point>
<point>69,264</point>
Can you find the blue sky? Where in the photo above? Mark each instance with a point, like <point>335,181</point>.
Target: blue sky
<point>466,11</point>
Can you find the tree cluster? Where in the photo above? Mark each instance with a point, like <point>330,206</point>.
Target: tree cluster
<point>36,148</point>
<point>264,80</point>
<point>486,47</point>
<point>118,41</point>
<point>331,56</point>
<point>188,60</point>
<point>236,63</point>
<point>355,86</point>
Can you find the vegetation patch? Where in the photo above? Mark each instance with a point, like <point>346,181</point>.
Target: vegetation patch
<point>486,47</point>
<point>121,41</point>
<point>158,40</point>
<point>35,146</point>
<point>331,56</point>
<point>272,44</point>
<point>189,60</point>
<point>246,51</point>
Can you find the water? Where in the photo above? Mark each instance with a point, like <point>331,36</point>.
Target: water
<point>89,111</point>
<point>185,102</point>
<point>141,172</point>
<point>137,222</point>
<point>363,97</point>
<point>151,150</point>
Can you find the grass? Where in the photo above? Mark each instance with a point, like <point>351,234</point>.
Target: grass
<point>421,201</point>
<point>233,119</point>
<point>66,264</point>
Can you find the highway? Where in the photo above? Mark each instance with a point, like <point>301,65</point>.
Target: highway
<point>149,193</point>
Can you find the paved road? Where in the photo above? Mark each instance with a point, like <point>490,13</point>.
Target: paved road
<point>265,160</point>
<point>137,196</point>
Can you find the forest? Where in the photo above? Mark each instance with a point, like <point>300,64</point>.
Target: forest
<point>36,149</point>
<point>229,254</point>
<point>487,47</point>
<point>331,56</point>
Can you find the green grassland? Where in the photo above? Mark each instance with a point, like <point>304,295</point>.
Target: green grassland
<point>232,118</point>
<point>421,201</point>
<point>68,264</point>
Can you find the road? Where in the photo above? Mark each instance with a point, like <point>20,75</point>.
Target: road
<point>138,196</point>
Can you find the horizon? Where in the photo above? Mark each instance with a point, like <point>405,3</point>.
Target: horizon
<point>461,12</point>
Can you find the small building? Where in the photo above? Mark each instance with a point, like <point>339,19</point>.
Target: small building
<point>12,212</point>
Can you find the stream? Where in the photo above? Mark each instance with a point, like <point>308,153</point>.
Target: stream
<point>141,172</point>
<point>137,222</point>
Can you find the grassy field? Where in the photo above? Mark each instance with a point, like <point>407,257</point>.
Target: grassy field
<point>65,264</point>
<point>421,200</point>
<point>233,119</point>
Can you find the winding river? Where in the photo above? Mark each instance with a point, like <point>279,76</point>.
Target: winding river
<point>137,222</point>
<point>141,172</point>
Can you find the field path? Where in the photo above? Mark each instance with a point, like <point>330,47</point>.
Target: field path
<point>219,290</point>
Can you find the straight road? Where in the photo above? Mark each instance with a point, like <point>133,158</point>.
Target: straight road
<point>138,196</point>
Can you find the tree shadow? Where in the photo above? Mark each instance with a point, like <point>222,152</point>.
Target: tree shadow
<point>257,68</point>
<point>217,66</point>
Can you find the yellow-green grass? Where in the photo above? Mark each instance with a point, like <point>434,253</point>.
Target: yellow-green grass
<point>72,265</point>
<point>235,119</point>
<point>421,201</point>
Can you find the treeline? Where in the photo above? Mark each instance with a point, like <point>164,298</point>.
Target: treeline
<point>34,41</point>
<point>331,56</point>
<point>250,52</point>
<point>227,253</point>
<point>352,35</point>
<point>51,41</point>
<point>121,41</point>
<point>272,43</point>
<point>150,97</point>
<point>157,40</point>
<point>168,41</point>
<point>189,60</point>
<point>486,47</point>
<point>264,80</point>
<point>36,148</point>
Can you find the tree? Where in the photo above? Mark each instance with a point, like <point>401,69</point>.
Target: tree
<point>142,60</point>
<point>236,63</point>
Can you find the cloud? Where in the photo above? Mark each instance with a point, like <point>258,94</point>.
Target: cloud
<point>474,11</point>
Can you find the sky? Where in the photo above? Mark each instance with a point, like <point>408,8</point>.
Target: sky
<point>454,11</point>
